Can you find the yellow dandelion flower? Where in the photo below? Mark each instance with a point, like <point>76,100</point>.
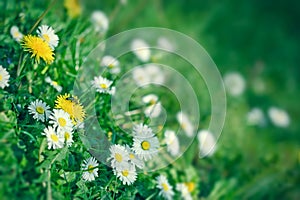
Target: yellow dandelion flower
<point>38,48</point>
<point>73,8</point>
<point>72,106</point>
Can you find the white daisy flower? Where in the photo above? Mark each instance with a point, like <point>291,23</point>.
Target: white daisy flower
<point>255,117</point>
<point>111,63</point>
<point>123,2</point>
<point>16,34</point>
<point>234,83</point>
<point>142,131</point>
<point>48,34</point>
<point>141,49</point>
<point>127,174</point>
<point>68,135</point>
<point>4,77</point>
<point>140,76</point>
<point>54,140</point>
<point>172,142</point>
<point>154,109</point>
<point>207,143</point>
<point>165,44</point>
<point>100,21</point>
<point>54,84</point>
<point>103,85</point>
<point>166,190</point>
<point>119,156</point>
<point>279,117</point>
<point>145,148</point>
<point>185,124</point>
<point>133,159</point>
<point>61,119</point>
<point>155,73</point>
<point>39,109</point>
<point>90,169</point>
<point>184,191</point>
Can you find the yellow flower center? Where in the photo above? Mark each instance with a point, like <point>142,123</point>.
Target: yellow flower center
<point>67,136</point>
<point>145,145</point>
<point>165,187</point>
<point>131,156</point>
<point>54,83</point>
<point>125,173</point>
<point>40,110</point>
<point>54,137</point>
<point>46,37</point>
<point>152,102</point>
<point>90,168</point>
<point>103,85</point>
<point>118,157</point>
<point>190,186</point>
<point>111,65</point>
<point>62,122</point>
<point>1,77</point>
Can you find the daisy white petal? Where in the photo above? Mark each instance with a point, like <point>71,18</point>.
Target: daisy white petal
<point>172,142</point>
<point>54,84</point>
<point>16,34</point>
<point>133,159</point>
<point>140,76</point>
<point>145,148</point>
<point>91,171</point>
<point>4,77</point>
<point>100,21</point>
<point>111,63</point>
<point>141,49</point>
<point>127,174</point>
<point>103,85</point>
<point>184,191</point>
<point>142,131</point>
<point>39,109</point>
<point>48,35</point>
<point>54,140</point>
<point>235,83</point>
<point>207,143</point>
<point>61,119</point>
<point>119,156</point>
<point>166,190</point>
<point>279,117</point>
<point>155,73</point>
<point>185,123</point>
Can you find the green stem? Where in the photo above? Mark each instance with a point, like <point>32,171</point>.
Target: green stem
<point>49,191</point>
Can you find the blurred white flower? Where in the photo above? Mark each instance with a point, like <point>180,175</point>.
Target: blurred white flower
<point>39,110</point>
<point>165,44</point>
<point>16,34</point>
<point>154,108</point>
<point>279,117</point>
<point>127,174</point>
<point>141,49</point>
<point>111,63</point>
<point>256,117</point>
<point>90,169</point>
<point>123,2</point>
<point>185,124</point>
<point>234,83</point>
<point>172,142</point>
<point>48,34</point>
<point>100,21</point>
<point>103,85</point>
<point>155,73</point>
<point>53,84</point>
<point>207,143</point>
<point>4,77</point>
<point>184,191</point>
<point>166,190</point>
